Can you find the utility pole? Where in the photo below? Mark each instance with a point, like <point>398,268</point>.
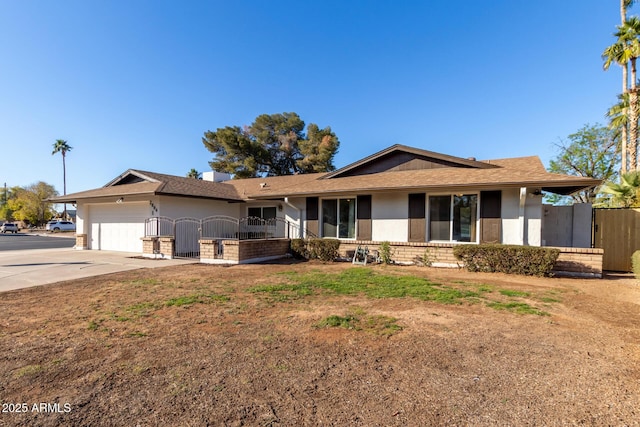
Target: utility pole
<point>4,197</point>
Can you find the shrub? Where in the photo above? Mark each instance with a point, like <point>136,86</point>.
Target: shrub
<point>427,259</point>
<point>386,253</point>
<point>635,264</point>
<point>299,249</point>
<point>323,249</point>
<point>511,259</point>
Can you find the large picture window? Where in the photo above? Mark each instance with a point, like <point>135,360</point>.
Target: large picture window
<point>339,218</point>
<point>453,217</point>
<point>268,212</point>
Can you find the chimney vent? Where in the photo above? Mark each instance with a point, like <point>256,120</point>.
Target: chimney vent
<point>215,176</point>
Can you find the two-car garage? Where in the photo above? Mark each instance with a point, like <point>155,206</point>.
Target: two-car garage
<point>117,226</point>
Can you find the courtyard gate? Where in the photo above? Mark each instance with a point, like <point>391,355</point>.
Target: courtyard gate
<point>187,238</point>
<point>617,231</point>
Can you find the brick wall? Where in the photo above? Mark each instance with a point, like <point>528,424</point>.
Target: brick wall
<point>437,254</point>
<point>571,262</point>
<point>208,249</point>
<point>246,251</point>
<point>81,241</point>
<point>580,262</point>
<point>157,247</point>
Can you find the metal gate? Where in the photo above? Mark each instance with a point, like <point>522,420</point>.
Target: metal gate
<point>219,228</point>
<point>187,238</point>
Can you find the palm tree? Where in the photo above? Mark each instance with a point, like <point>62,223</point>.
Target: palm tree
<point>618,114</point>
<point>627,193</point>
<point>61,146</point>
<point>618,118</point>
<point>628,37</point>
<point>194,174</point>
<point>617,53</point>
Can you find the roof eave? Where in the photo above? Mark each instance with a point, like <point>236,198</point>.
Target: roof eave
<point>564,188</point>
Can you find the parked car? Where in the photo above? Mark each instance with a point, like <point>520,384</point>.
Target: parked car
<point>8,227</point>
<point>60,226</point>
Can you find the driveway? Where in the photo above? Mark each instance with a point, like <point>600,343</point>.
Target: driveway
<point>26,268</point>
<point>23,241</point>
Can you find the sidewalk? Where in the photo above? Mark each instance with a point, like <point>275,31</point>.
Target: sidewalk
<point>27,268</point>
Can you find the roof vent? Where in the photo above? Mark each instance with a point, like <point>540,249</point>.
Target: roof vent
<point>473,159</point>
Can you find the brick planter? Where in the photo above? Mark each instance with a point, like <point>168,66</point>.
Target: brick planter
<point>251,251</point>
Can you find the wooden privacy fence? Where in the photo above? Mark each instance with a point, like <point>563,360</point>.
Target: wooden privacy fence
<point>617,231</point>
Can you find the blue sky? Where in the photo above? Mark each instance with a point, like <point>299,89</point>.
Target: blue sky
<point>136,83</point>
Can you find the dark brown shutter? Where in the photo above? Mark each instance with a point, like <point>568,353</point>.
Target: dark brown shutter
<point>363,215</point>
<point>490,216</point>
<point>312,215</point>
<point>417,217</point>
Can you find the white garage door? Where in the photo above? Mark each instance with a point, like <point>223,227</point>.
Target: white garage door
<point>118,227</point>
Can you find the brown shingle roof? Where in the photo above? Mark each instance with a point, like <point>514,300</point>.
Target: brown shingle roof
<point>152,183</point>
<point>517,172</point>
<point>139,188</point>
<point>255,187</point>
<point>182,186</point>
<point>503,173</point>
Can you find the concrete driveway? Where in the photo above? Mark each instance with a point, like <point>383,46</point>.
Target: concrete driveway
<point>26,268</point>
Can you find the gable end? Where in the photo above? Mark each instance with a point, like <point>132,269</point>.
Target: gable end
<point>400,161</point>
<point>129,179</point>
<point>403,158</point>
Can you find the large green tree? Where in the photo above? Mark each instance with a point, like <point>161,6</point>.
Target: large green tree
<point>61,146</point>
<point>593,151</point>
<point>6,213</point>
<point>273,145</point>
<point>30,203</point>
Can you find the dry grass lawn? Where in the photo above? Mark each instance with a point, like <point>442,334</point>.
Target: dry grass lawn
<point>291,344</point>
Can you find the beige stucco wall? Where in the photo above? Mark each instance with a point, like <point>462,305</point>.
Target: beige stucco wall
<point>526,230</point>
<point>180,207</point>
<point>389,213</point>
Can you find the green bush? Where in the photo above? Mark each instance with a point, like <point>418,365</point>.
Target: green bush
<point>511,259</point>
<point>386,253</point>
<point>635,264</point>
<point>299,249</point>
<point>322,249</point>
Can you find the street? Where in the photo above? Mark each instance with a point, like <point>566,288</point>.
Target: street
<point>23,241</point>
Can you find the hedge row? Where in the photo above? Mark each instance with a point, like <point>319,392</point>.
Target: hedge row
<point>322,249</point>
<point>526,260</point>
<point>635,264</point>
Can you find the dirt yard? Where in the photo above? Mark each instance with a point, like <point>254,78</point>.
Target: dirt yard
<point>288,344</point>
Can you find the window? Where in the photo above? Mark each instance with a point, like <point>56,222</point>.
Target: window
<point>453,217</point>
<point>339,218</point>
<point>264,213</point>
